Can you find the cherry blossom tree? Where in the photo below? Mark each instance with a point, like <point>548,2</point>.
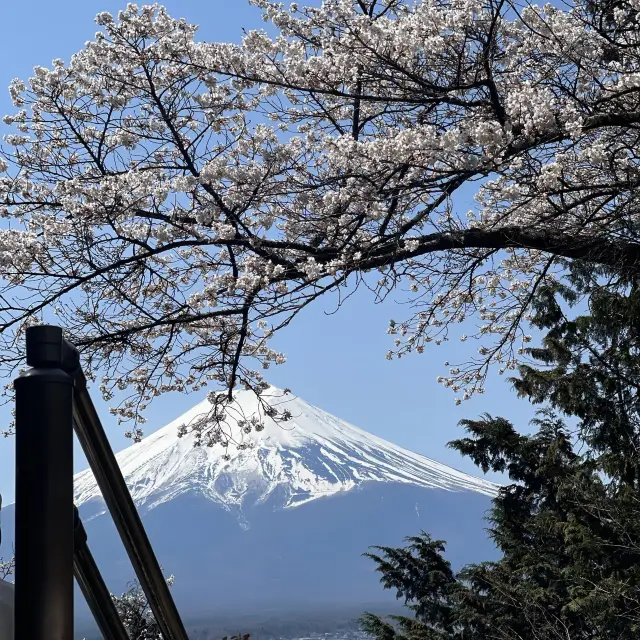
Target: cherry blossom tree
<point>136,615</point>
<point>7,567</point>
<point>173,203</point>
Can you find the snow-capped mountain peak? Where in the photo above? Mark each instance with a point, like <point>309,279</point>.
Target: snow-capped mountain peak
<point>312,455</point>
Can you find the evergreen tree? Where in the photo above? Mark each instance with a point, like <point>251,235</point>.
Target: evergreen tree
<point>425,580</point>
<point>588,367</point>
<point>568,524</point>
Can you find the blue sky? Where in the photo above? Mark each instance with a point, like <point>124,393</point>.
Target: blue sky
<point>336,362</point>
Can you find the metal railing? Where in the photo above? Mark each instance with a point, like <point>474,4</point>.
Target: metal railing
<point>52,400</point>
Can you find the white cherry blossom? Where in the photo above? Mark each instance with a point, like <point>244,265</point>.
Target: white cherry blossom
<point>173,203</point>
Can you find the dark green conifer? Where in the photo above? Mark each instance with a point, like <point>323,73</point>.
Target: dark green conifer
<point>568,523</point>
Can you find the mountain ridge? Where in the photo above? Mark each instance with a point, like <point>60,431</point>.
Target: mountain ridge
<point>312,455</point>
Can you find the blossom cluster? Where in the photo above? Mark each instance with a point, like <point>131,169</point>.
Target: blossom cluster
<point>174,203</point>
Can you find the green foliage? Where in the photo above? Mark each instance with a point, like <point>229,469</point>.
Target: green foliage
<point>424,579</point>
<point>568,523</point>
<point>589,367</point>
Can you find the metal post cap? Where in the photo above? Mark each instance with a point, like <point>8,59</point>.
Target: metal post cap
<point>44,346</point>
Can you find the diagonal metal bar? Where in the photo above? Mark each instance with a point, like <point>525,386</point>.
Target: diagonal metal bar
<point>102,461</point>
<point>93,587</point>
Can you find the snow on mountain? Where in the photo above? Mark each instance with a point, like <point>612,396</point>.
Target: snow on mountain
<point>312,455</point>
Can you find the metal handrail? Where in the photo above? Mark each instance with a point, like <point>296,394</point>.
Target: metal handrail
<point>116,495</point>
<point>52,399</point>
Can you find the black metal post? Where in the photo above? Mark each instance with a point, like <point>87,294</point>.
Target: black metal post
<point>94,589</point>
<point>44,491</point>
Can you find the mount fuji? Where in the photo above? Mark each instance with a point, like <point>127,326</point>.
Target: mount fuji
<point>282,520</point>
